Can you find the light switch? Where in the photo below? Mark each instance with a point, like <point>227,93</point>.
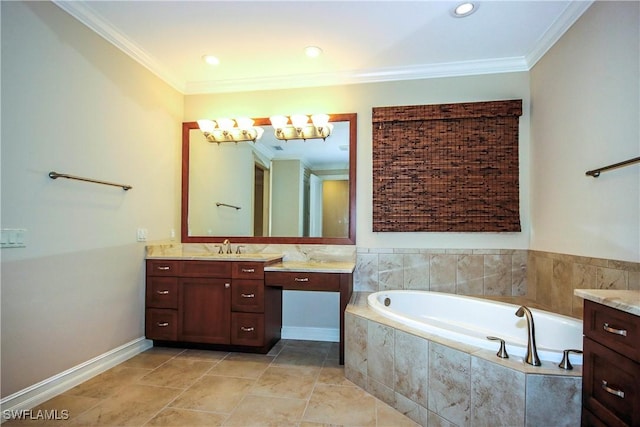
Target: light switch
<point>141,235</point>
<point>13,238</point>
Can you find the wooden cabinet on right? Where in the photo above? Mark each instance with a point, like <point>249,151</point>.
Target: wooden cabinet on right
<point>611,371</point>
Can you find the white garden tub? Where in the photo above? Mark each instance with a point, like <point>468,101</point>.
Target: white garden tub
<point>470,320</point>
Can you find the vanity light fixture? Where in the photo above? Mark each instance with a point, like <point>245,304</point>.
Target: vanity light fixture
<point>230,130</point>
<point>464,9</point>
<point>300,128</point>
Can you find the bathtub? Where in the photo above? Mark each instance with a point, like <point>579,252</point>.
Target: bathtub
<point>470,320</point>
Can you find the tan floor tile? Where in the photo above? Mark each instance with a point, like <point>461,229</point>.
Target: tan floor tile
<point>267,411</point>
<point>133,406</point>
<point>300,356</point>
<point>74,405</point>
<point>214,393</point>
<point>242,365</point>
<point>292,382</point>
<point>152,358</point>
<point>177,373</point>
<point>388,417</point>
<point>108,383</point>
<point>341,405</point>
<point>333,373</point>
<point>208,355</point>
<point>185,417</point>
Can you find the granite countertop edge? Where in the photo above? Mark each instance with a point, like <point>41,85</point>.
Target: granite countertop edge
<point>623,300</point>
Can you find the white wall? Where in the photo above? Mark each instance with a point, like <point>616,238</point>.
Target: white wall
<point>585,114</point>
<point>73,103</point>
<point>360,99</point>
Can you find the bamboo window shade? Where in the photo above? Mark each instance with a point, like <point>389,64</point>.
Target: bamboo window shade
<point>446,168</point>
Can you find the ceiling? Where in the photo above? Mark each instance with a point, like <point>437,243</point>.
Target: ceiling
<point>260,44</point>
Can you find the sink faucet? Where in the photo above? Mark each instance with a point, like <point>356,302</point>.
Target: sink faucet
<point>532,355</point>
<point>226,244</point>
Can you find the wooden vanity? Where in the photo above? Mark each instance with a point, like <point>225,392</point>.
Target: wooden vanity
<point>611,370</point>
<point>233,304</point>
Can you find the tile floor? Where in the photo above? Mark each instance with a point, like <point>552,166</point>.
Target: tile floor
<point>299,383</point>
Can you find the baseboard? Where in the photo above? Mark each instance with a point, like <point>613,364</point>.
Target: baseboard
<point>44,390</point>
<point>310,334</point>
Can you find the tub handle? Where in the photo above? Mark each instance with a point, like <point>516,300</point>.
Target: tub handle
<point>565,364</point>
<point>502,352</point>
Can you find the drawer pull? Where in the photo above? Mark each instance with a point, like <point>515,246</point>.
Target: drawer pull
<point>301,279</point>
<point>227,285</point>
<point>162,292</point>
<point>611,330</point>
<point>162,324</point>
<point>613,391</point>
<point>248,295</point>
<point>248,270</point>
<point>245,329</point>
<point>164,268</point>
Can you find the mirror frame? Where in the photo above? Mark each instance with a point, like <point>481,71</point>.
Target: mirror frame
<point>348,240</point>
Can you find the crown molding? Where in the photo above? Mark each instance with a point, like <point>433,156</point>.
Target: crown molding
<point>569,16</point>
<point>450,69</point>
<point>83,13</point>
<point>89,17</point>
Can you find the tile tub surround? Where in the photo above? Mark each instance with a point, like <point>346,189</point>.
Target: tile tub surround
<point>435,381</point>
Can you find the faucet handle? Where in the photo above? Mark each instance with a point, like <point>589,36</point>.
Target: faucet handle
<point>565,364</point>
<point>238,249</point>
<point>502,352</point>
<point>220,251</point>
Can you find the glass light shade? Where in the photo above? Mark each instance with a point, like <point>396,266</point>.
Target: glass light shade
<point>259,132</point>
<point>278,122</point>
<point>244,123</point>
<point>299,120</point>
<point>206,125</point>
<point>225,124</point>
<point>320,120</point>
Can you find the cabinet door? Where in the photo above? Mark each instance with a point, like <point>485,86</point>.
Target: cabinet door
<point>204,307</point>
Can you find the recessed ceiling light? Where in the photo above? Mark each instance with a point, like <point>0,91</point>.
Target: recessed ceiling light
<point>210,59</point>
<point>464,9</point>
<point>312,51</point>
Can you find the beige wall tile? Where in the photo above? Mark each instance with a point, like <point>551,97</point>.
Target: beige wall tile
<point>411,367</point>
<point>553,401</point>
<point>470,275</point>
<point>450,384</point>
<point>416,271</point>
<point>497,394</point>
<point>390,271</point>
<point>442,273</point>
<point>380,347</point>
<point>497,275</point>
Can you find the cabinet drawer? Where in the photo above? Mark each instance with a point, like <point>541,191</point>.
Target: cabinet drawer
<point>205,269</point>
<point>159,267</point>
<point>611,385</point>
<point>303,281</point>
<point>247,295</point>
<point>162,292</point>
<point>616,329</point>
<point>247,270</point>
<point>247,329</point>
<point>161,324</point>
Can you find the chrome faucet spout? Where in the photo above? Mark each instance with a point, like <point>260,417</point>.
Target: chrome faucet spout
<point>532,354</point>
<point>227,244</point>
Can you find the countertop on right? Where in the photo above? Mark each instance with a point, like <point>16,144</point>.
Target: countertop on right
<point>623,300</point>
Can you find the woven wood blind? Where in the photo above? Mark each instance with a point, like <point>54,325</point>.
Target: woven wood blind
<point>448,167</point>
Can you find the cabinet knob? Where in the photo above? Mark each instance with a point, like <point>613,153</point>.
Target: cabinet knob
<point>227,285</point>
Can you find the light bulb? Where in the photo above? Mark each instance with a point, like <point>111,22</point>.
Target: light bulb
<point>278,122</point>
<point>206,125</point>
<point>299,120</point>
<point>320,120</point>
<point>244,122</point>
<point>225,124</point>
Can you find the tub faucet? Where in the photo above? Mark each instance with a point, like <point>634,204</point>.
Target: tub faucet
<point>226,244</point>
<point>532,354</point>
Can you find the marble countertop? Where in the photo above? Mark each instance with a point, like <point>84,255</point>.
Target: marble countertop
<point>313,266</point>
<point>627,301</point>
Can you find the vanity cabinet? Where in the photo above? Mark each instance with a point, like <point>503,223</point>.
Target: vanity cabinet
<point>611,367</point>
<point>221,303</point>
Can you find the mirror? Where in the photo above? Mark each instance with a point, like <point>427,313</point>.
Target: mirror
<point>270,191</point>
